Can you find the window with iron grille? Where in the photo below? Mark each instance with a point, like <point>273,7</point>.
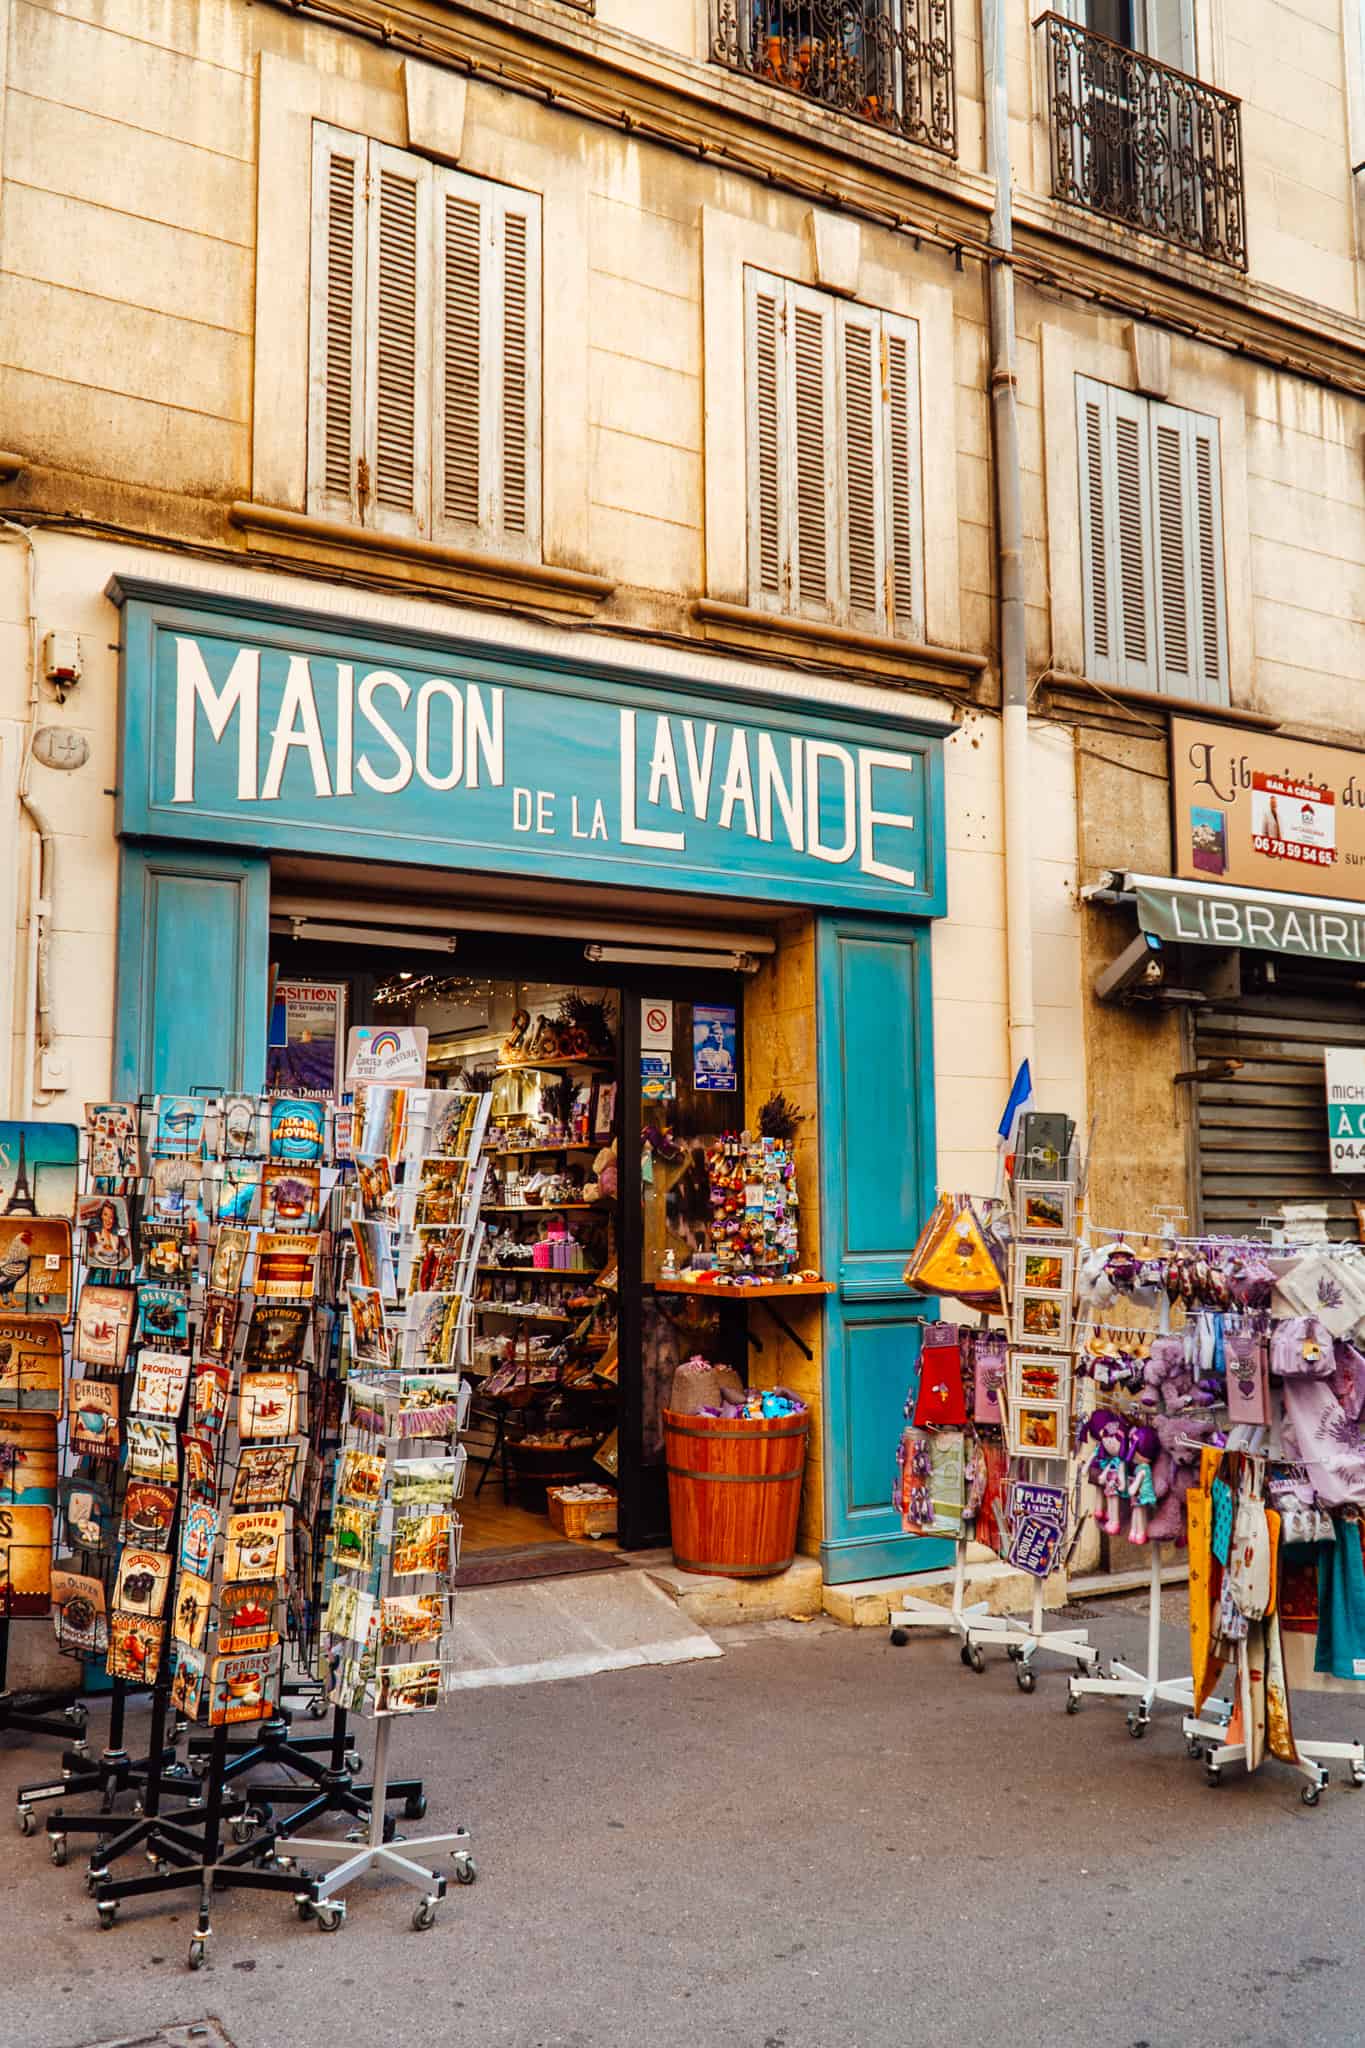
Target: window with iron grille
<point>835,511</point>
<point>885,61</point>
<point>424,340</point>
<point>1152,544</point>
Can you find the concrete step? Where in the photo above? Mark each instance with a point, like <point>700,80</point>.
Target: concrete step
<point>544,1629</point>
<point>870,1603</point>
<point>712,1601</point>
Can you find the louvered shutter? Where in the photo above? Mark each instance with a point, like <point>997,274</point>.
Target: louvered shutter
<point>398,399</point>
<point>901,468</point>
<point>1116,526</point>
<point>486,481</point>
<point>1177,592</point>
<point>1205,517</point>
<point>336,325</point>
<point>862,474</point>
<point>765,300</point>
<point>814,439</point>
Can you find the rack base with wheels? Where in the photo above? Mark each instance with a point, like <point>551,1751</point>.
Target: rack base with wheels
<point>954,1619</point>
<point>48,1712</point>
<point>111,1773</point>
<point>1022,1640</point>
<point>1206,1741</point>
<point>1144,1688</point>
<point>320,1902</point>
<point>329,1785</point>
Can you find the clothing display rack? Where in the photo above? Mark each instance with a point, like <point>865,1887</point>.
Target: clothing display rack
<point>1145,1688</point>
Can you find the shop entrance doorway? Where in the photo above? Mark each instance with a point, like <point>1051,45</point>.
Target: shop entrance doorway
<point>609,1082</point>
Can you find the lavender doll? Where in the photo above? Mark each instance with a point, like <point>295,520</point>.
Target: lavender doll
<point>1108,1469</point>
<point>1142,1448</point>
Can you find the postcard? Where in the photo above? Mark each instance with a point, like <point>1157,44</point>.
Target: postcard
<point>427,1482</point>
<point>369,1335</point>
<point>79,1619</point>
<point>411,1618</point>
<point>354,1530</point>
<point>291,1196</point>
<point>190,1609</point>
<point>218,1330</point>
<point>35,1265</point>
<point>201,1466</point>
<point>255,1545</point>
<point>245,1616</point>
<point>159,1383</point>
<point>235,1192</point>
<point>450,1120</point>
<point>408,1688</point>
<point>349,1612</point>
<point>187,1686</point>
<point>298,1128</point>
<point>198,1534</point>
<point>88,1516</point>
<point>170,1249</point>
<point>144,1578</point>
<point>276,1336</point>
<point>285,1266</point>
<point>265,1475</point>
<point>148,1513</point>
<point>31,1364</point>
<point>360,1477</point>
<point>374,1185</point>
<point>37,1171</point>
<point>267,1404</point>
<point>238,1120</point>
<point>94,1420</point>
<point>104,1325</point>
<point>177,1193</point>
<point>230,1251</point>
<point>380,1116</point>
<point>163,1312</point>
<point>210,1392</point>
<point>179,1125</point>
<point>105,1235</point>
<point>423,1543</point>
<point>432,1328</point>
<point>1043,1271</point>
<point>134,1647</point>
<point>152,1452</point>
<point>374,1257</point>
<point>242,1688</point>
<point>113,1133</point>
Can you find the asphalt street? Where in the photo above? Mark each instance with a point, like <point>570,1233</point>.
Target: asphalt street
<point>816,1841</point>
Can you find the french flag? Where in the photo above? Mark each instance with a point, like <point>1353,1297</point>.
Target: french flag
<point>1021,1096</point>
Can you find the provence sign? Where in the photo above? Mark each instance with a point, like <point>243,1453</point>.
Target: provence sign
<point>292,732</point>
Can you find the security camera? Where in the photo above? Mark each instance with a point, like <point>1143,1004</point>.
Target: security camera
<point>1139,970</point>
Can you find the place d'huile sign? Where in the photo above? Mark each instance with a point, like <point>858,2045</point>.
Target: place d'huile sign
<point>292,732</point>
<point>1262,812</point>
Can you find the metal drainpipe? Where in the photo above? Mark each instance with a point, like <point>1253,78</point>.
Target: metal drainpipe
<point>1009,547</point>
<point>38,1031</point>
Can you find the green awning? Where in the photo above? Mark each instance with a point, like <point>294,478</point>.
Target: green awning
<point>1209,914</point>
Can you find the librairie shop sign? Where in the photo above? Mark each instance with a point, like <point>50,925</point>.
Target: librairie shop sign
<point>290,734</point>
<point>1264,812</point>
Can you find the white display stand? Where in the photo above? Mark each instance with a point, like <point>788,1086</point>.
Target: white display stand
<point>954,1619</point>
<point>1023,1640</point>
<point>1205,1739</point>
<point>1145,1688</point>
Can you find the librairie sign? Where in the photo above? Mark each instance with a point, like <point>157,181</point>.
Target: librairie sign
<point>290,732</point>
<point>1267,813</point>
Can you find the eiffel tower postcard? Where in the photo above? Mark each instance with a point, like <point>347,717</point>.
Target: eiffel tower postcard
<point>38,1169</point>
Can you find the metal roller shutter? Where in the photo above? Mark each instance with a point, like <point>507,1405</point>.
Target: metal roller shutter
<point>1261,1130</point>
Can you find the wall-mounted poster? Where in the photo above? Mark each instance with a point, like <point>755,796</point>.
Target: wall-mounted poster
<point>307,1033</point>
<point>37,1170</point>
<point>715,1046</point>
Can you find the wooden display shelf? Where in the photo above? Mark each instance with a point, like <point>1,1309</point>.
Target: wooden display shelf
<point>548,1272</point>
<point>529,1151</point>
<point>748,1290</point>
<point>591,1059</point>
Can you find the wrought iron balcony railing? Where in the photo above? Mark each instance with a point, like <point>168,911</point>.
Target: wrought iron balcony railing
<point>1143,144</point>
<point>885,61</point>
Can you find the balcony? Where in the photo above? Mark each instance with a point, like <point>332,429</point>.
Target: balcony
<point>1143,144</point>
<point>888,62</point>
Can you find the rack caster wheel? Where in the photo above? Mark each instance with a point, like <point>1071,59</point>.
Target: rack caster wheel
<point>1213,1776</point>
<point>415,1807</point>
<point>1311,1794</point>
<point>77,1715</point>
<point>1014,1653</point>
<point>317,1709</point>
<point>1082,1667</point>
<point>900,1637</point>
<point>329,1917</point>
<point>304,1908</point>
<point>353,1761</point>
<point>94,1879</point>
<point>24,1816</point>
<point>1137,1726</point>
<point>423,1915</point>
<point>965,1653</point>
<point>1025,1677</point>
<point>1073,1703</point>
<point>57,1845</point>
<point>466,1869</point>
<point>108,1914</point>
<point>195,1958</point>
<point>976,1657</point>
<point>1356,1780</point>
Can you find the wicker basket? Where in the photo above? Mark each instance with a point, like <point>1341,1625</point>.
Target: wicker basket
<point>581,1517</point>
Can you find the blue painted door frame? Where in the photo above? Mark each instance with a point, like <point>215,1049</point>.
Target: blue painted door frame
<point>878,1170</point>
<point>193,964</point>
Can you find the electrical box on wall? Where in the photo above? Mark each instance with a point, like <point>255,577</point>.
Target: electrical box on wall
<point>62,659</point>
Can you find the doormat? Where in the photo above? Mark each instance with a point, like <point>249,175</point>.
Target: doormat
<point>189,2034</point>
<point>538,1561</point>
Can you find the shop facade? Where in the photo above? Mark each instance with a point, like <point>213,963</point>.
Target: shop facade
<point>299,767</point>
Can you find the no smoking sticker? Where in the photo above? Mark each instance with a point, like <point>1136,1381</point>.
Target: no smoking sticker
<point>656,1026</point>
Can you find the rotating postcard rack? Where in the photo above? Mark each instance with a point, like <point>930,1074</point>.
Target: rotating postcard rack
<point>395,1534</point>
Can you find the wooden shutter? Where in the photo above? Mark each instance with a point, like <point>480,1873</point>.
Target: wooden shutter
<point>1206,521</point>
<point>398,400</point>
<point>765,302</point>
<point>1191,633</point>
<point>862,482</point>
<point>336,325</point>
<point>904,512</point>
<point>815,526</point>
<point>1116,536</point>
<point>487,403</point>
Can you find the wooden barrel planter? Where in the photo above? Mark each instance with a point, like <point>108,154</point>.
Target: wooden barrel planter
<point>734,1492</point>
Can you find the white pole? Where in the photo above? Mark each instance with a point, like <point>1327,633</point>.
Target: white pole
<point>1154,1622</point>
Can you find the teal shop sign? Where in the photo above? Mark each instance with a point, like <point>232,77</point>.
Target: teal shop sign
<point>285,731</point>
